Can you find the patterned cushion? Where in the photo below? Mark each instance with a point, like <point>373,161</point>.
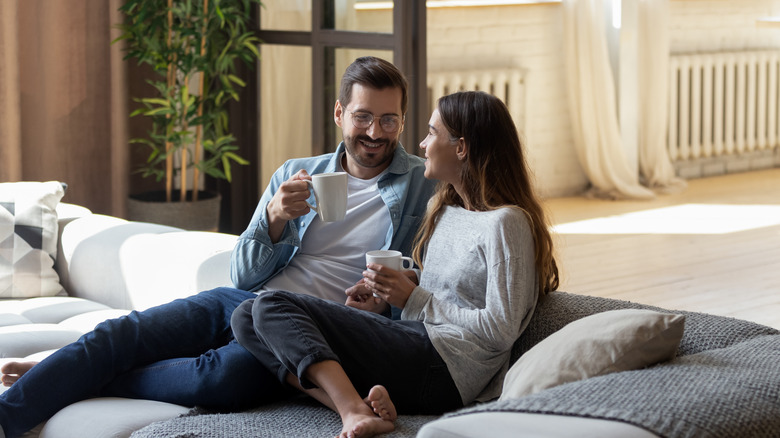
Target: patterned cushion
<point>28,238</point>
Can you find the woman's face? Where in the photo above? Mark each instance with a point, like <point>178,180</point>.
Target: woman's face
<point>442,152</point>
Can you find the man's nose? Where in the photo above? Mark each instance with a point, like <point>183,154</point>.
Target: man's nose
<point>375,130</point>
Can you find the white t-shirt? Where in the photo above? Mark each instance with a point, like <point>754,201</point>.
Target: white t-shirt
<point>332,256</point>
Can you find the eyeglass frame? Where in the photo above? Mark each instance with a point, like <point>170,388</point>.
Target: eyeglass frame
<point>401,120</point>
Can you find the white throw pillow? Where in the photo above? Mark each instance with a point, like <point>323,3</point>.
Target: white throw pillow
<point>28,238</point>
<point>617,340</point>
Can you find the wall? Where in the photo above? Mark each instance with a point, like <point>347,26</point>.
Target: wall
<point>530,37</point>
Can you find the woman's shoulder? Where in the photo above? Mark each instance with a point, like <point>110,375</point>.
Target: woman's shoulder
<point>501,221</point>
<point>508,216</point>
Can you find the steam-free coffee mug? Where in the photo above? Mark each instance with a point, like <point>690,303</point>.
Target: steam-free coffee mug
<point>330,195</point>
<point>390,258</point>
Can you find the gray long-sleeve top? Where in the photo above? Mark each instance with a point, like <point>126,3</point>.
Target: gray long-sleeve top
<point>477,292</point>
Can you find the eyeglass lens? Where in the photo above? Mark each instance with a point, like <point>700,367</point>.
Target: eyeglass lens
<point>389,123</point>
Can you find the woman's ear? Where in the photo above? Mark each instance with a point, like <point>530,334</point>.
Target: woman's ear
<point>462,149</point>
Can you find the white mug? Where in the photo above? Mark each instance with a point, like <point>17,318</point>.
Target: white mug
<point>390,258</point>
<point>330,194</point>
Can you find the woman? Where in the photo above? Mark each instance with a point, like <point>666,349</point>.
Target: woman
<point>486,257</point>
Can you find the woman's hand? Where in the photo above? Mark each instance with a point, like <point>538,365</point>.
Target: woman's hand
<point>393,286</point>
<point>360,297</point>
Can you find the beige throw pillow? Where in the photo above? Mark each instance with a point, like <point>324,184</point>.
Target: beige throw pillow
<point>617,340</point>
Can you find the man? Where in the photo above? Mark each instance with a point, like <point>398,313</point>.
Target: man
<point>184,352</point>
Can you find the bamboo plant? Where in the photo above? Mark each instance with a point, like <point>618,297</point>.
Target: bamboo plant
<point>193,47</point>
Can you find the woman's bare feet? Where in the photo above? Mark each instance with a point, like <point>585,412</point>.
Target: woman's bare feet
<point>375,417</point>
<point>379,401</point>
<point>12,371</point>
<point>364,424</point>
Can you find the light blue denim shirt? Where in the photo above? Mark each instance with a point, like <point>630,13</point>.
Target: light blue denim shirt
<point>404,190</point>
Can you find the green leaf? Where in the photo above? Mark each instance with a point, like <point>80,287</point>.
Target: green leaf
<point>237,80</point>
<point>249,45</point>
<point>159,111</point>
<point>158,101</point>
<point>226,166</point>
<point>235,158</point>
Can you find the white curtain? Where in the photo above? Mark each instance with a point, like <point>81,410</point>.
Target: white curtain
<point>593,105</point>
<point>656,169</point>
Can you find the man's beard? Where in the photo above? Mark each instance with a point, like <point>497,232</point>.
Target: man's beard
<point>365,157</point>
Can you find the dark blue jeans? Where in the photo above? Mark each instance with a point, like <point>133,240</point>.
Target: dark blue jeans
<point>288,332</point>
<point>182,352</point>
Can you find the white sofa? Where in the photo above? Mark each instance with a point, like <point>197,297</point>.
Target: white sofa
<point>108,267</point>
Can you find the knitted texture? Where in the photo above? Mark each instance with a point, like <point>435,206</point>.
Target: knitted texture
<point>724,382</point>
<point>299,417</point>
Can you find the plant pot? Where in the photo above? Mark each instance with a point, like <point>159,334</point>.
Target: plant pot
<point>200,215</point>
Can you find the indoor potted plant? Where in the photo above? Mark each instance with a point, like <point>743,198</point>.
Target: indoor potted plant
<point>192,47</point>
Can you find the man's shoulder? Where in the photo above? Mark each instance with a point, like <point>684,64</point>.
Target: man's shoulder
<point>404,162</point>
<point>309,163</point>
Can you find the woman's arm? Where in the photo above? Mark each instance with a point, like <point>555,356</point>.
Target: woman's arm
<point>506,255</point>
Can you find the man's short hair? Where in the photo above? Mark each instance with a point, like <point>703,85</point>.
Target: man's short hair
<point>376,73</point>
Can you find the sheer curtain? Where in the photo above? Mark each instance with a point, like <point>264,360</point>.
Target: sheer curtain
<point>656,169</point>
<point>62,99</point>
<point>593,105</point>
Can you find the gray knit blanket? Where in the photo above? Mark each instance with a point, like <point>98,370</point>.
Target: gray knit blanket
<point>724,382</point>
<point>298,417</point>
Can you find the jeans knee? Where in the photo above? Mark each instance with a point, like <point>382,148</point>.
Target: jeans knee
<point>241,322</point>
<point>270,302</point>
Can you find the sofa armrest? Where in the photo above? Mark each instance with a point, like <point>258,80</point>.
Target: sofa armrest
<point>136,265</point>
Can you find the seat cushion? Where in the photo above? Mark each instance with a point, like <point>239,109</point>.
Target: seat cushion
<point>108,417</point>
<point>34,325</point>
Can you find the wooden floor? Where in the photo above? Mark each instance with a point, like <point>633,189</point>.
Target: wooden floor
<point>715,247</point>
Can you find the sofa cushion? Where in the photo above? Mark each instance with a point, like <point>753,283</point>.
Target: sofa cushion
<point>612,341</point>
<point>140,264</point>
<point>523,424</point>
<point>34,325</point>
<point>18,341</point>
<point>50,310</point>
<point>28,238</point>
<point>108,417</point>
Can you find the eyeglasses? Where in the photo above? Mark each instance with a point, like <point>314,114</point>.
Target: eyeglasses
<point>362,120</point>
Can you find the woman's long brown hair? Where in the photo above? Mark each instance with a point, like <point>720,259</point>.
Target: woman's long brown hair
<point>494,175</point>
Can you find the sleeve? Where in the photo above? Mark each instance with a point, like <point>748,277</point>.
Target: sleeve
<point>255,258</point>
<point>510,293</point>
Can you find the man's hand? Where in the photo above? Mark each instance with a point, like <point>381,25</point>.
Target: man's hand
<point>289,202</point>
<point>359,297</point>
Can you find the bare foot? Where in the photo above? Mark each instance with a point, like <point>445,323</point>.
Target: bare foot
<point>12,371</point>
<point>364,425</point>
<point>379,401</point>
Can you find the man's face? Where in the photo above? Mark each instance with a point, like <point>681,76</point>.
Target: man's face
<point>369,150</point>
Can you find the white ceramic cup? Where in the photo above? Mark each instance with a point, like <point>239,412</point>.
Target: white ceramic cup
<point>390,258</point>
<point>330,194</point>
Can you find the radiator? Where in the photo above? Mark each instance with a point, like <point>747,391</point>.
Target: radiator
<point>723,104</point>
<point>506,84</point>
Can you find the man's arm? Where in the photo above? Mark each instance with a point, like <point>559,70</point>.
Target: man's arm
<point>271,238</point>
